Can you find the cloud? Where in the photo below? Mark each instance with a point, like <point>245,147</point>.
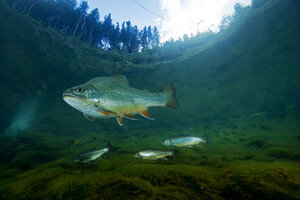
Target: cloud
<point>192,16</point>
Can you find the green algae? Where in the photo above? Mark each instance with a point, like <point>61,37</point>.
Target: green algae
<point>238,180</point>
<point>226,169</point>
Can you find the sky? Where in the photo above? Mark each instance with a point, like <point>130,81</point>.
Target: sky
<point>173,18</point>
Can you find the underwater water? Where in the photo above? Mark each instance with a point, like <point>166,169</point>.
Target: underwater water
<point>23,118</point>
<point>242,91</point>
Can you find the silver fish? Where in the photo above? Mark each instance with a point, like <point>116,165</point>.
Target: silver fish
<point>184,141</point>
<point>93,155</point>
<point>154,154</point>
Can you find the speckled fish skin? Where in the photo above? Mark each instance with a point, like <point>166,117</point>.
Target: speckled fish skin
<point>183,141</point>
<point>106,97</point>
<point>153,154</point>
<point>90,156</point>
<point>119,97</point>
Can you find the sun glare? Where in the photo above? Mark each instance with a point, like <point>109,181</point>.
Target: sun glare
<point>192,16</point>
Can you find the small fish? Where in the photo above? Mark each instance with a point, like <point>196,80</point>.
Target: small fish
<point>93,155</point>
<point>154,154</point>
<point>77,143</point>
<point>112,97</point>
<point>185,141</point>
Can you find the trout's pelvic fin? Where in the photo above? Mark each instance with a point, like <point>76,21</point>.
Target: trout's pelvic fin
<point>145,113</point>
<point>128,116</point>
<point>89,117</point>
<point>120,120</point>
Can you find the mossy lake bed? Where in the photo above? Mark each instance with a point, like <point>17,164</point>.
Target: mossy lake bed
<point>256,160</point>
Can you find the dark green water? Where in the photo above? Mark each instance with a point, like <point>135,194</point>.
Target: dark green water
<point>243,89</point>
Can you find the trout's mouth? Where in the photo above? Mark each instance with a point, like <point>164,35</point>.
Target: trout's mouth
<point>69,94</point>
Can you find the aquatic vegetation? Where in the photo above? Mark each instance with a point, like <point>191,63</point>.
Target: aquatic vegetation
<point>235,181</point>
<point>223,170</point>
<point>257,143</point>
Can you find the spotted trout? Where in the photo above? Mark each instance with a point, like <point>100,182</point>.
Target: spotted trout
<point>112,97</point>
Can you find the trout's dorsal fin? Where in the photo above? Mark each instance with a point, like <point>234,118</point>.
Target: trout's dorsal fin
<point>146,114</point>
<point>121,78</point>
<point>120,120</point>
<point>89,117</point>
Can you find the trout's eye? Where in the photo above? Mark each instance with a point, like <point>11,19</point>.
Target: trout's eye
<point>79,90</point>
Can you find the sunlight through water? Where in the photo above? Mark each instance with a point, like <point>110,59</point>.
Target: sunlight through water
<point>193,16</point>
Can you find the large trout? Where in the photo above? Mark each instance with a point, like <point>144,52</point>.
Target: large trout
<point>107,97</point>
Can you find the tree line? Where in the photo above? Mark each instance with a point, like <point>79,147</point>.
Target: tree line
<point>73,19</point>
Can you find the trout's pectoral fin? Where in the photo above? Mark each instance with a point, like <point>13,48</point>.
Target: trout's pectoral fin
<point>89,117</point>
<point>107,112</point>
<point>128,116</point>
<point>120,120</point>
<point>146,114</point>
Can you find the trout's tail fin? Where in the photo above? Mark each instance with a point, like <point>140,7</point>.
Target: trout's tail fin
<point>169,90</point>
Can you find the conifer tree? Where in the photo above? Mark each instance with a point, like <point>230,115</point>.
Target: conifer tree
<point>149,37</point>
<point>144,37</point>
<point>73,19</point>
<point>82,11</point>
<point>115,37</point>
<point>155,37</point>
